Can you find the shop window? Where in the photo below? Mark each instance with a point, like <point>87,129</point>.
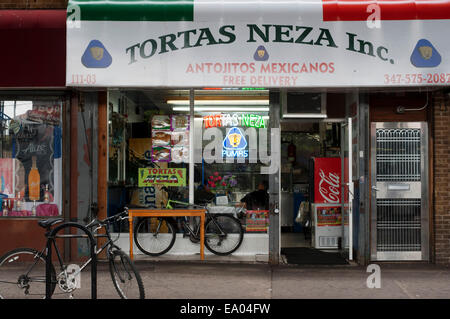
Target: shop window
<point>31,158</point>
<point>231,145</point>
<point>148,149</point>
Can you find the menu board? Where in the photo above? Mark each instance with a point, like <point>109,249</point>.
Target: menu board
<point>170,138</point>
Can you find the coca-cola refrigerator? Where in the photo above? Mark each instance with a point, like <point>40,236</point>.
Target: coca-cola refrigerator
<point>325,196</point>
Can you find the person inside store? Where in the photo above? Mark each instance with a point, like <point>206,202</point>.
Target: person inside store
<point>258,199</point>
<point>203,194</point>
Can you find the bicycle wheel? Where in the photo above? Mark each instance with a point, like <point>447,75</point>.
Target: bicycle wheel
<point>223,234</point>
<point>125,277</point>
<point>154,236</point>
<point>22,274</point>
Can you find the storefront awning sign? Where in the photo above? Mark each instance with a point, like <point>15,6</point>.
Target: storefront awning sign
<point>257,43</point>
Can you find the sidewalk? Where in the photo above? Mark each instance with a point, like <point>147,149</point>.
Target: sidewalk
<point>218,280</point>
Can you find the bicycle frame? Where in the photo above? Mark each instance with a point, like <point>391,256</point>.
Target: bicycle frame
<point>51,234</point>
<point>196,231</point>
<point>216,227</point>
<point>109,243</point>
<point>39,255</point>
<point>171,201</point>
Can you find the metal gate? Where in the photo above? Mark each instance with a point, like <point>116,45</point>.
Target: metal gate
<point>399,220</point>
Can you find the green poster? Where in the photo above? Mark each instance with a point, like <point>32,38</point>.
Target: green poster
<point>162,176</point>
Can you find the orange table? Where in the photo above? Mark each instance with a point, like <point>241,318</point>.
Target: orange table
<point>142,212</point>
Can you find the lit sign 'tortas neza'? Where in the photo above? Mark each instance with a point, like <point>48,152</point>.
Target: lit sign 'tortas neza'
<point>226,120</point>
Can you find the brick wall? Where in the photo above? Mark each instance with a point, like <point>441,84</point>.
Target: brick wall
<point>441,145</point>
<point>33,4</point>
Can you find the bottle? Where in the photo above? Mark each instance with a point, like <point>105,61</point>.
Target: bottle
<point>34,182</point>
<point>18,203</point>
<point>46,195</point>
<point>33,209</point>
<point>5,208</point>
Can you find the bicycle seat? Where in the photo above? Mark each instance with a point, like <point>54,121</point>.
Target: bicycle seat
<point>45,223</point>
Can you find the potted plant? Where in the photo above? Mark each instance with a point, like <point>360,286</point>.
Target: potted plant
<point>222,185</point>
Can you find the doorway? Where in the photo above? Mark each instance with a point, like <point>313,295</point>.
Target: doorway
<point>400,219</point>
<point>314,157</point>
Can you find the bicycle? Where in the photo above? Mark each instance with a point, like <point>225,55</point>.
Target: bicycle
<point>25,268</point>
<point>155,236</point>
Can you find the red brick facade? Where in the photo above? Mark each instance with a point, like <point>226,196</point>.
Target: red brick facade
<point>441,164</point>
<point>33,4</point>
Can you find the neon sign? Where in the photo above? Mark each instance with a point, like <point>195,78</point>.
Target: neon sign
<point>226,120</point>
<point>234,144</point>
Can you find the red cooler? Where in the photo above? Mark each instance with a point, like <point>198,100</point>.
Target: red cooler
<point>326,202</point>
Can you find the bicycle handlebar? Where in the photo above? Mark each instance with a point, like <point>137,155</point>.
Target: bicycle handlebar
<point>118,217</point>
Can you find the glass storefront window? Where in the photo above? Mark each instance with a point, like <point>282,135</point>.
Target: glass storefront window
<point>148,148</point>
<point>232,144</point>
<point>228,134</point>
<point>31,158</point>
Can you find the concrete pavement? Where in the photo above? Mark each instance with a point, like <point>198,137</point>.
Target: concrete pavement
<point>216,280</point>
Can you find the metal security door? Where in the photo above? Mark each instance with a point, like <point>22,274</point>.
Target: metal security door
<point>399,220</point>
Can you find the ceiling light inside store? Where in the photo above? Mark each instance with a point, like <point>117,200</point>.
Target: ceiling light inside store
<point>220,102</point>
<point>221,109</point>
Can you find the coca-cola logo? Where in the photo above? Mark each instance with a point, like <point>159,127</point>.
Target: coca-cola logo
<point>329,187</point>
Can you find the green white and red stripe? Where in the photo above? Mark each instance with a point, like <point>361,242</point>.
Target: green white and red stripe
<point>333,10</point>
